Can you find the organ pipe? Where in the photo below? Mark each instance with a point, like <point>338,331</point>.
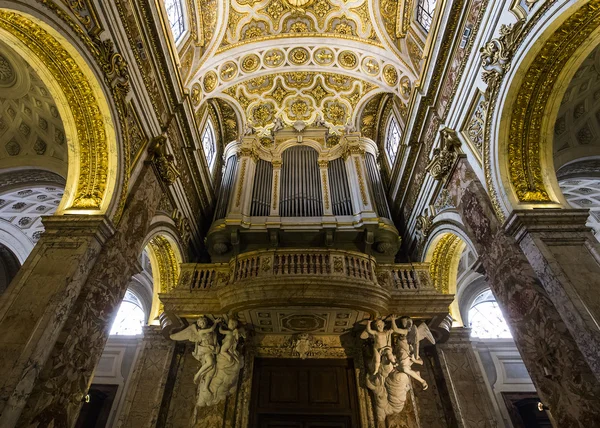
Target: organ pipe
<point>300,183</point>
<point>381,205</point>
<point>226,187</point>
<point>339,189</point>
<point>261,192</point>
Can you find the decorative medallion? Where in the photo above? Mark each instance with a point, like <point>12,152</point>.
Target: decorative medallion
<point>228,70</point>
<point>390,75</point>
<point>370,66</point>
<point>262,114</point>
<point>298,56</point>
<point>348,59</point>
<point>210,81</point>
<point>196,91</point>
<point>250,63</point>
<point>273,58</point>
<point>323,56</point>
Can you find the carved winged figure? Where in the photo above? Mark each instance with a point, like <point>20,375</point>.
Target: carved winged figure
<point>206,346</point>
<point>391,369</point>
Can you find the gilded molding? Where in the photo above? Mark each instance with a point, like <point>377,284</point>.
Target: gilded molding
<point>93,147</point>
<point>325,188</point>
<point>361,182</point>
<point>238,196</point>
<point>444,254</point>
<point>523,145</point>
<point>275,189</point>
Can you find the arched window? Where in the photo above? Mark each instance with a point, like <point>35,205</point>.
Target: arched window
<point>208,143</point>
<point>392,141</point>
<point>486,319</point>
<point>425,10</point>
<point>130,317</point>
<point>176,17</point>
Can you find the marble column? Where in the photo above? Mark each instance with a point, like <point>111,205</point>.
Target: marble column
<point>145,396</point>
<point>55,318</point>
<point>469,397</point>
<point>560,372</point>
<point>565,255</point>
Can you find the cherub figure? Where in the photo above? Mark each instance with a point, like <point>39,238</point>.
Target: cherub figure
<point>205,340</point>
<point>230,341</point>
<point>407,347</point>
<point>382,345</point>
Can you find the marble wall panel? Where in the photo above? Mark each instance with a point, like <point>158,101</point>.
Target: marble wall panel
<point>549,351</point>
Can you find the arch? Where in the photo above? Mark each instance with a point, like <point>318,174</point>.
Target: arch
<point>165,257</point>
<point>518,151</point>
<point>93,151</point>
<point>443,253</point>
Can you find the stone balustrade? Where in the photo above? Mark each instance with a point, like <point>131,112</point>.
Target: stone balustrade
<point>317,277</point>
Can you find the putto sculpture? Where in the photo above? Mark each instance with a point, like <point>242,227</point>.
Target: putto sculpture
<point>390,365</point>
<point>219,356</point>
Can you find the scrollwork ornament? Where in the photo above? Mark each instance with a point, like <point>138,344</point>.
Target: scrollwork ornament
<point>162,161</point>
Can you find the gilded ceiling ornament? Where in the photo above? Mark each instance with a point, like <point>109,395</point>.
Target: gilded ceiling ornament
<point>323,56</point>
<point>335,112</point>
<point>348,59</point>
<point>279,93</point>
<point>298,3</point>
<point>275,9</point>
<point>300,27</point>
<point>263,114</point>
<point>405,86</point>
<point>210,81</point>
<point>389,12</point>
<point>390,75</point>
<point>354,96</point>
<point>250,63</point>
<point>196,94</point>
<point>228,70</point>
<point>298,56</point>
<point>274,57</point>
<point>299,79</point>
<point>318,92</point>
<point>370,66</point>
<point>299,109</point>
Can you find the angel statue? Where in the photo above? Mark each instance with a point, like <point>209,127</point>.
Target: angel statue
<point>206,347</point>
<point>407,348</point>
<point>389,379</point>
<point>382,343</point>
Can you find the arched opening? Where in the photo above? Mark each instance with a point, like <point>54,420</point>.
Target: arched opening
<point>485,318</point>
<point>68,94</point>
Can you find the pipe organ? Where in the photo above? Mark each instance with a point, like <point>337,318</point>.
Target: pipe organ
<point>296,189</point>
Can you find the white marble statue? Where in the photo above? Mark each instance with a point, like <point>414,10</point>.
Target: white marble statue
<point>390,368</point>
<point>206,347</point>
<point>219,355</point>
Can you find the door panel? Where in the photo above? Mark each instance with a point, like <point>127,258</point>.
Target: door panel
<point>291,393</point>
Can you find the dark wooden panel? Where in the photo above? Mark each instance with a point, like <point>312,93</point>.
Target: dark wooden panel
<point>291,393</point>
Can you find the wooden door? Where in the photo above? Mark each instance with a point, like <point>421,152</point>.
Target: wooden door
<point>291,393</point>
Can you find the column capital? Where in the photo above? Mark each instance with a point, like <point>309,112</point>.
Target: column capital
<point>548,221</point>
<point>71,226</point>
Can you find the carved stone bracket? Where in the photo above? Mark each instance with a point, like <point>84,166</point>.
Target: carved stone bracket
<point>444,158</point>
<point>162,162</point>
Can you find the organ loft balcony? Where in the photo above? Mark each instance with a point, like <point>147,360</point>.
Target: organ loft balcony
<point>302,188</point>
<point>303,241</point>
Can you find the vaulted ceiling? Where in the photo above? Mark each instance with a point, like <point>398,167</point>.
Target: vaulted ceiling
<point>301,60</point>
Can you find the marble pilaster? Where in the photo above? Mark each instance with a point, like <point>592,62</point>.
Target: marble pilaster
<point>50,387</point>
<point>144,398</point>
<point>469,397</point>
<point>549,350</point>
<point>565,255</point>
<point>34,309</point>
